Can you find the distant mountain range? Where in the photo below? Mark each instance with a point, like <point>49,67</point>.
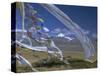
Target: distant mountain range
<point>67,34</point>
<point>61,42</point>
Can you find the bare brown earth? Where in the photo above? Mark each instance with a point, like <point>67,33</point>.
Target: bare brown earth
<point>75,58</point>
<point>72,51</point>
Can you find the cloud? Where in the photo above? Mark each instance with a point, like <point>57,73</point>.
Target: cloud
<point>56,31</point>
<point>60,35</point>
<point>66,37</point>
<point>69,38</point>
<point>46,29</point>
<point>86,31</point>
<point>62,30</point>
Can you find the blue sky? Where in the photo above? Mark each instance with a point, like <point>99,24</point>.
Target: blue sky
<point>85,17</point>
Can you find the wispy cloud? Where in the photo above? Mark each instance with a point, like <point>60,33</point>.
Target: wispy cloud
<point>64,31</point>
<point>46,29</point>
<point>69,38</point>
<point>86,31</point>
